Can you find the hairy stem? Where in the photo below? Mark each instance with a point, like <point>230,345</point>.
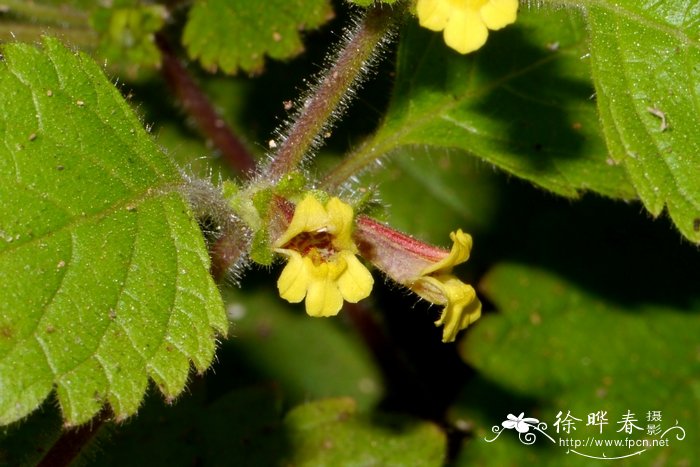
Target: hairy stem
<point>330,91</point>
<point>228,251</point>
<point>198,106</point>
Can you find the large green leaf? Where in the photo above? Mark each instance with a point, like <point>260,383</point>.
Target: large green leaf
<point>448,190</point>
<point>237,34</point>
<point>104,271</point>
<point>646,68</point>
<point>522,103</point>
<point>561,347</point>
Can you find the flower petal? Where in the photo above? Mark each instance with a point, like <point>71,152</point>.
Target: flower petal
<point>465,31</point>
<point>509,424</point>
<point>323,297</point>
<point>497,14</point>
<point>294,280</point>
<point>340,216</point>
<point>461,247</point>
<point>433,14</point>
<point>522,427</point>
<point>462,308</point>
<point>309,216</point>
<point>355,283</point>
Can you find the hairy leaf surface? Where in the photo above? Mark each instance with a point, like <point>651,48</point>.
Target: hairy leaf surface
<point>104,271</point>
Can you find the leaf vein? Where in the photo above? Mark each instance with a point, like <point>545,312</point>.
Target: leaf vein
<point>118,205</point>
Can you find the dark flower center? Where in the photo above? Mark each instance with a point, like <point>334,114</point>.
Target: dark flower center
<point>316,245</point>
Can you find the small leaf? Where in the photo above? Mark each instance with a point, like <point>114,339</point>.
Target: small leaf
<point>237,34</point>
<point>646,68</point>
<point>104,270</point>
<point>331,432</point>
<point>127,34</point>
<point>522,103</point>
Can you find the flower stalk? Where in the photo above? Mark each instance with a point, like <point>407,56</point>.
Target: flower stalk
<point>198,106</point>
<point>326,98</point>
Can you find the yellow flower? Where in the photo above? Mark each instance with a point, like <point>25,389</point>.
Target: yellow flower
<point>425,269</point>
<point>466,22</point>
<point>322,265</point>
<point>436,284</point>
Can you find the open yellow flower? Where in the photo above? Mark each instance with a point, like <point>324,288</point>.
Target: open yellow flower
<point>322,265</point>
<point>466,22</point>
<point>425,269</point>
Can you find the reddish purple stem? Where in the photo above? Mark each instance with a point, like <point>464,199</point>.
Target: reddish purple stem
<point>198,106</point>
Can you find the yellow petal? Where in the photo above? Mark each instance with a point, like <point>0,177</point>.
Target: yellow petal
<point>323,297</point>
<point>356,281</point>
<point>294,280</point>
<point>309,216</point>
<point>462,308</point>
<point>499,13</point>
<point>433,14</point>
<point>341,217</point>
<point>465,31</point>
<point>461,247</point>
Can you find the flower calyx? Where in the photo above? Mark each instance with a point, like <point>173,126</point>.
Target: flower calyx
<point>424,269</point>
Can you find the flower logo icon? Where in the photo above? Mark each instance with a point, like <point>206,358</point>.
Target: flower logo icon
<point>520,423</point>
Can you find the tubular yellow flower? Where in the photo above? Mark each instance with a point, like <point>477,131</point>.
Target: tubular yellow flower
<point>322,265</point>
<point>466,22</point>
<point>436,284</point>
<point>424,269</point>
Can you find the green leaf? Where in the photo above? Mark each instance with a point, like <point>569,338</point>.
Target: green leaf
<point>448,190</point>
<point>274,338</point>
<point>105,272</point>
<point>566,348</point>
<point>237,34</point>
<point>522,103</point>
<point>127,34</point>
<point>646,67</point>
<point>331,432</point>
<point>120,32</point>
